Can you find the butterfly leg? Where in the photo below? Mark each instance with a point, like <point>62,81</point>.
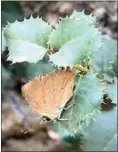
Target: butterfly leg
<point>69,106</point>
<point>33,126</point>
<point>63,119</point>
<point>65,109</point>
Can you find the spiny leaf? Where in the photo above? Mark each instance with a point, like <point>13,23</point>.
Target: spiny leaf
<point>27,40</point>
<point>39,68</point>
<point>75,37</point>
<point>72,53</point>
<point>85,103</point>
<point>69,28</point>
<point>81,16</point>
<point>104,59</point>
<point>100,133</point>
<point>10,12</point>
<point>76,51</point>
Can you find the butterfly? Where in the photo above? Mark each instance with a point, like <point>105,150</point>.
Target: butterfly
<point>49,93</point>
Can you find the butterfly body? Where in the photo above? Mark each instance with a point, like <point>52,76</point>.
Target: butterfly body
<point>49,93</point>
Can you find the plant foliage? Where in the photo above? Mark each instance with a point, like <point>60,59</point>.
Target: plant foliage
<point>77,41</point>
<point>85,103</point>
<point>24,45</point>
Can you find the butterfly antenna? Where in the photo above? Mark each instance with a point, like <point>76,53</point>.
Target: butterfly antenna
<point>33,126</point>
<point>38,120</point>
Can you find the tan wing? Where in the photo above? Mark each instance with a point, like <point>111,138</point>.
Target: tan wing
<point>50,92</point>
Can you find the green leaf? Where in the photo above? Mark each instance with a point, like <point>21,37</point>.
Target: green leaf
<point>72,53</point>
<point>75,37</point>
<point>76,141</point>
<point>17,68</point>
<point>70,27</point>
<point>112,145</point>
<point>100,134</point>
<point>31,70</point>
<point>39,68</point>
<point>10,12</point>
<point>111,90</point>
<point>86,103</point>
<point>27,40</point>
<point>104,60</point>
<point>76,51</point>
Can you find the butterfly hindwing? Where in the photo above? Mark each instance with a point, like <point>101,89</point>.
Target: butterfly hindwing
<point>49,93</point>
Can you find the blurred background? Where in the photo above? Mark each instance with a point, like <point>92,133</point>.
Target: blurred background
<point>16,113</point>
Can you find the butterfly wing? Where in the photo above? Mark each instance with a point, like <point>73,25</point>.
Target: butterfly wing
<point>50,92</point>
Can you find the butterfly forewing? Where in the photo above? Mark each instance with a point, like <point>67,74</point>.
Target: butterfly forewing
<point>50,92</point>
